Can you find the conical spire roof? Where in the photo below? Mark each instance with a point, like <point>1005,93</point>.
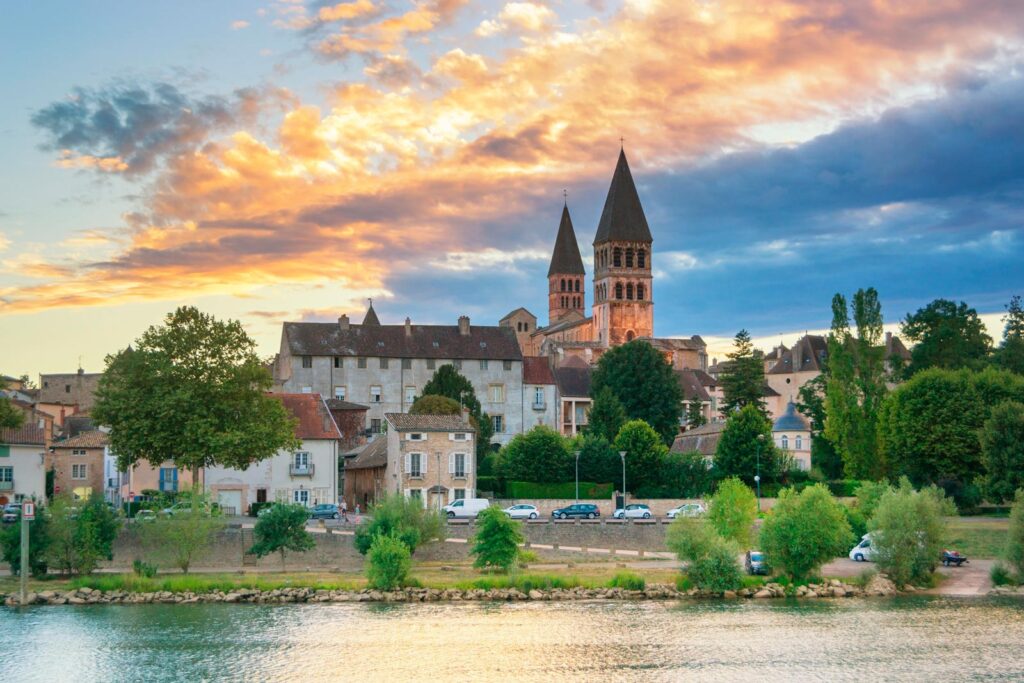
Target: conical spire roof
<point>566,259</point>
<point>623,217</point>
<point>371,317</point>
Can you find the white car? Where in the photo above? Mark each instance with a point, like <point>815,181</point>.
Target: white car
<point>522,511</point>
<point>466,507</point>
<point>687,510</point>
<point>633,511</point>
<point>863,552</point>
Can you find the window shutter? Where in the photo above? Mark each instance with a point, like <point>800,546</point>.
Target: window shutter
<point>451,436</point>
<point>469,462</point>
<point>451,463</point>
<point>408,467</point>
<point>423,463</point>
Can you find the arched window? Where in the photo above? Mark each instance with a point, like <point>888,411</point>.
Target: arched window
<point>629,336</point>
<point>577,285</point>
<point>563,284</point>
<point>641,259</point>
<point>639,292</point>
<point>785,443</point>
<point>629,290</point>
<point>629,258</point>
<point>617,257</point>
<point>618,290</point>
<point>799,443</point>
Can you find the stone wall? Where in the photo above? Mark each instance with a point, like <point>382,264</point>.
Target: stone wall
<point>647,535</point>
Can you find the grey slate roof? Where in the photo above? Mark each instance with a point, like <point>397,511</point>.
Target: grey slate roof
<point>692,385</point>
<point>790,421</point>
<point>566,259</point>
<point>390,341</point>
<point>573,382</point>
<point>623,216</point>
<point>703,439</point>
<point>373,454</point>
<point>807,355</point>
<point>428,423</point>
<point>371,317</point>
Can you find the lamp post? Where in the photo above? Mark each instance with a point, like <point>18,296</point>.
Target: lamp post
<point>622,454</point>
<point>438,454</point>
<point>757,476</point>
<point>577,476</point>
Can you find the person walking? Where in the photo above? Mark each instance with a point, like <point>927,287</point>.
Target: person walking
<point>344,511</point>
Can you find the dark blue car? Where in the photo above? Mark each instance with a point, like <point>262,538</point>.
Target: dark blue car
<point>586,510</point>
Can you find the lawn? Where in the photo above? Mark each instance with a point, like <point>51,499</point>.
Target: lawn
<point>981,538</point>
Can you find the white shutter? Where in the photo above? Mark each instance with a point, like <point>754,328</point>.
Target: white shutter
<point>469,463</point>
<point>451,463</point>
<point>423,464</point>
<point>451,436</point>
<point>408,493</point>
<point>408,464</point>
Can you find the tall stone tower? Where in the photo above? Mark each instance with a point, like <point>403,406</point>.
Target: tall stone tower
<point>566,290</point>
<point>623,301</point>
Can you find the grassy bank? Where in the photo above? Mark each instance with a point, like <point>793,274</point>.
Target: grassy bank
<point>978,538</point>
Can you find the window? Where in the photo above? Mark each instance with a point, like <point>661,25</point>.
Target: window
<point>168,479</point>
<point>339,362</point>
<point>629,290</point>
<point>307,361</point>
<point>375,394</point>
<point>67,388</point>
<point>361,362</point>
<point>5,451</point>
<point>414,465</point>
<point>506,365</point>
<point>459,436</point>
<point>457,363</point>
<point>375,425</point>
<point>301,461</point>
<point>6,475</point>
<point>629,258</point>
<point>307,389</point>
<point>498,423</point>
<point>459,494</point>
<point>339,393</point>
<point>785,443</point>
<point>538,396</point>
<point>383,363</point>
<point>497,393</point>
<point>617,257</point>
<point>641,259</point>
<point>799,443</point>
<point>416,494</point>
<point>483,364</point>
<point>78,471</point>
<point>618,290</point>
<point>77,451</point>
<point>458,461</point>
<point>639,292</point>
<point>407,363</point>
<point>431,363</point>
<point>577,286</point>
<point>563,284</point>
<point>301,496</point>
<point>415,436</point>
<point>410,395</point>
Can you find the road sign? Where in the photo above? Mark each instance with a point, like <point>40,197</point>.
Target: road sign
<point>28,511</point>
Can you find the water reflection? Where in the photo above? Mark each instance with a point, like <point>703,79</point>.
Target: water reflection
<point>907,639</point>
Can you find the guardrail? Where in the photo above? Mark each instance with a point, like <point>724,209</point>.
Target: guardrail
<point>306,471</point>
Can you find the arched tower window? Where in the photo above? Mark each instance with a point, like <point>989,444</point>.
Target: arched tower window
<point>629,258</point>
<point>618,290</point>
<point>629,290</point>
<point>641,259</point>
<point>577,285</point>
<point>640,292</point>
<point>629,336</point>
<point>617,257</point>
<point>799,443</point>
<point>563,284</point>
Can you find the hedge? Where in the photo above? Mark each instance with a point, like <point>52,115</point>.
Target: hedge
<point>493,485</point>
<point>528,489</point>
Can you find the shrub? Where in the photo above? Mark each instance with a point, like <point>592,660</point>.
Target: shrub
<point>1000,575</point>
<point>80,535</point>
<point>858,523</point>
<point>280,529</point>
<point>144,569</point>
<point>388,562</point>
<point>733,510</point>
<point>567,489</point>
<point>711,560</point>
<point>804,531</point>
<point>539,455</point>
<point>627,581</point>
<point>908,533</point>
<point>404,518</point>
<point>38,540</point>
<point>493,485</point>
<point>844,488</point>
<point>183,538</point>
<point>868,494</point>
<point>1014,553</point>
<point>527,557</point>
<point>254,508</point>
<point>496,543</point>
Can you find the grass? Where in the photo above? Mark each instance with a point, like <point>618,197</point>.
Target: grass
<point>978,538</point>
<point>194,583</point>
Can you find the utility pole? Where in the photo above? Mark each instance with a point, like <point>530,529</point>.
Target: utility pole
<point>622,454</point>
<point>28,513</point>
<point>577,476</point>
<point>438,454</point>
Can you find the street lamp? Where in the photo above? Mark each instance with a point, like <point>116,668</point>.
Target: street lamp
<point>622,454</point>
<point>438,454</point>
<point>577,476</point>
<point>757,477</point>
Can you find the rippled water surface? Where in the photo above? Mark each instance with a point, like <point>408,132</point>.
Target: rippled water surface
<point>906,639</point>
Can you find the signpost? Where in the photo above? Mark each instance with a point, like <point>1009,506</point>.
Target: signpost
<point>28,513</point>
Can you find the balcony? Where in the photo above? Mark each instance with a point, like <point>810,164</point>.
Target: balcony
<point>540,405</point>
<point>7,485</point>
<point>301,470</point>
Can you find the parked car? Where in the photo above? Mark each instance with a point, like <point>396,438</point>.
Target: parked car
<point>522,511</point>
<point>588,510</point>
<point>466,507</point>
<point>863,552</point>
<point>686,510</point>
<point>325,511</point>
<point>210,510</point>
<point>145,516</point>
<point>755,562</point>
<point>12,511</point>
<point>953,558</point>
<point>633,511</point>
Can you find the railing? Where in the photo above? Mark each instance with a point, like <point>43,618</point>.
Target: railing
<point>300,471</point>
<point>7,485</point>
<point>541,405</point>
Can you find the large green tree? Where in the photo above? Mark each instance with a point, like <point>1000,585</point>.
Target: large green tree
<point>448,381</point>
<point>9,415</point>
<point>855,385</point>
<point>599,462</point>
<point>192,391</point>
<point>282,528</point>
<point>1011,352</point>
<point>496,543</point>
<point>1002,451</point>
<point>539,455</point>
<point>742,376</point>
<point>432,404</point>
<point>645,454</point>
<point>733,510</point>
<point>644,383</point>
<point>804,531</point>
<point>908,532</point>
<point>946,335</point>
<point>811,402</point>
<point>607,415</point>
<point>746,441</point>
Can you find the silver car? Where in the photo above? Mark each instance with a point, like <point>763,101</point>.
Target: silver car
<point>522,511</point>
<point>687,510</point>
<point>633,511</point>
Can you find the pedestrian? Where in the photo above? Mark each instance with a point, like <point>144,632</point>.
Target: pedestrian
<point>357,509</point>
<point>344,511</point>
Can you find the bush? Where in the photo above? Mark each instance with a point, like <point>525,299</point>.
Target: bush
<point>965,495</point>
<point>711,560</point>
<point>733,510</point>
<point>539,455</point>
<point>527,557</point>
<point>1000,575</point>
<point>254,508</point>
<point>530,490</point>
<point>401,517</point>
<point>496,543</point>
<point>1014,553</point>
<point>80,535</point>
<point>388,562</point>
<point>908,533</point>
<point>868,494</point>
<point>38,540</point>
<point>183,538</point>
<point>844,488</point>
<point>144,569</point>
<point>804,531</point>
<point>857,521</point>
<point>280,529</point>
<point>494,485</point>
<point>627,581</point>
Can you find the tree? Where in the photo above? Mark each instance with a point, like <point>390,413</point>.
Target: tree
<point>448,381</point>
<point>79,534</point>
<point>946,335</point>
<point>732,511</point>
<point>192,391</point>
<point>434,404</point>
<point>388,562</point>
<point>9,415</point>
<point>645,453</point>
<point>684,475</point>
<point>183,538</point>
<point>742,377</point>
<point>607,415</point>
<point>599,462</point>
<point>908,533</point>
<point>868,494</point>
<point>804,531</point>
<point>1014,552</point>
<point>539,455</point>
<point>695,414</point>
<point>747,434</point>
<point>1002,451</point>
<point>644,383</point>
<point>280,529</point>
<point>811,402</point>
<point>710,559</point>
<point>496,543</point>
<point>855,385</point>
<point>403,518</point>
<point>38,541</point>
<point>1011,352</point>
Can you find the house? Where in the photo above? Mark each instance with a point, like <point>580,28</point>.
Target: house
<point>573,382</point>
<point>703,439</point>
<point>365,474</point>
<point>306,476</point>
<point>792,435</point>
<point>431,457</point>
<point>540,393</point>
<point>525,324</point>
<point>698,386</point>
<point>78,464</point>
<point>22,454</point>
<point>65,394</point>
<point>143,478</point>
<point>387,366</point>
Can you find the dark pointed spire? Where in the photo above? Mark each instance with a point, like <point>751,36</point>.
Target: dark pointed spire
<point>566,259</point>
<point>623,216</point>
<point>371,316</point>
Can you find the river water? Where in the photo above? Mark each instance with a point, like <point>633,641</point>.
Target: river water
<point>909,639</point>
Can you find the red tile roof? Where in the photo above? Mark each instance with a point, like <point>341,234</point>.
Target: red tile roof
<point>26,435</point>
<point>315,421</point>
<point>537,370</point>
<point>90,439</point>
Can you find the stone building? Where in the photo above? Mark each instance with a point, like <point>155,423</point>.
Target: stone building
<point>431,457</point>
<point>540,393</point>
<point>79,464</point>
<point>65,394</point>
<point>365,474</point>
<point>792,435</point>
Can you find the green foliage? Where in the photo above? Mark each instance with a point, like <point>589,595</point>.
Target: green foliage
<point>1014,552</point>
<point>644,383</point>
<point>496,543</point>
<point>144,569</point>
<point>38,542</point>
<point>1000,575</point>
<point>280,529</point>
<point>10,416</point>
<point>388,562</point>
<point>254,508</point>
<point>645,453</point>
<point>539,455</point>
<point>1002,451</point>
<point>908,533</point>
<point>403,518</point>
<point>695,414</point>
<point>1010,354</point>
<point>434,404</point>
<point>811,402</point>
<point>805,530</point>
<point>857,520</point>
<point>80,534</point>
<point>558,490</point>
<point>855,384</point>
<point>449,382</point>
<point>206,374</point>
<point>747,440</point>
<point>868,494</point>
<point>494,485</point>
<point>742,377</point>
<point>710,560</point>
<point>183,538</point>
<point>732,511</point>
<point>598,459</point>
<point>946,335</point>
<point>627,581</point>
<point>683,475</point>
<point>607,415</point>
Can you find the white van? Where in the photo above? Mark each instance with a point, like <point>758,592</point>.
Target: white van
<point>466,507</point>
<point>863,552</point>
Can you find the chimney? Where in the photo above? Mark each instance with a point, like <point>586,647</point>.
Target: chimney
<point>81,371</point>
<point>465,415</point>
<point>343,323</point>
<point>464,325</point>
<point>408,327</point>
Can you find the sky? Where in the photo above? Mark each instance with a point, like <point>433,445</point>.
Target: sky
<point>289,159</point>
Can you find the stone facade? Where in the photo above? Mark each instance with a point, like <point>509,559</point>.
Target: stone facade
<point>78,464</point>
<point>431,457</point>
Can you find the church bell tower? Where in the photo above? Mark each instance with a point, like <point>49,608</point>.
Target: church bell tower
<point>566,290</point>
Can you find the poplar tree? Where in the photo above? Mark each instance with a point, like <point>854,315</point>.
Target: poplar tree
<point>742,377</point>
<point>695,414</point>
<point>1011,351</point>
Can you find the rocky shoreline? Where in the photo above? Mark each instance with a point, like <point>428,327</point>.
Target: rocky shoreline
<point>879,586</point>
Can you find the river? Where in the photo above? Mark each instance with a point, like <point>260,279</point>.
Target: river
<point>829,640</point>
